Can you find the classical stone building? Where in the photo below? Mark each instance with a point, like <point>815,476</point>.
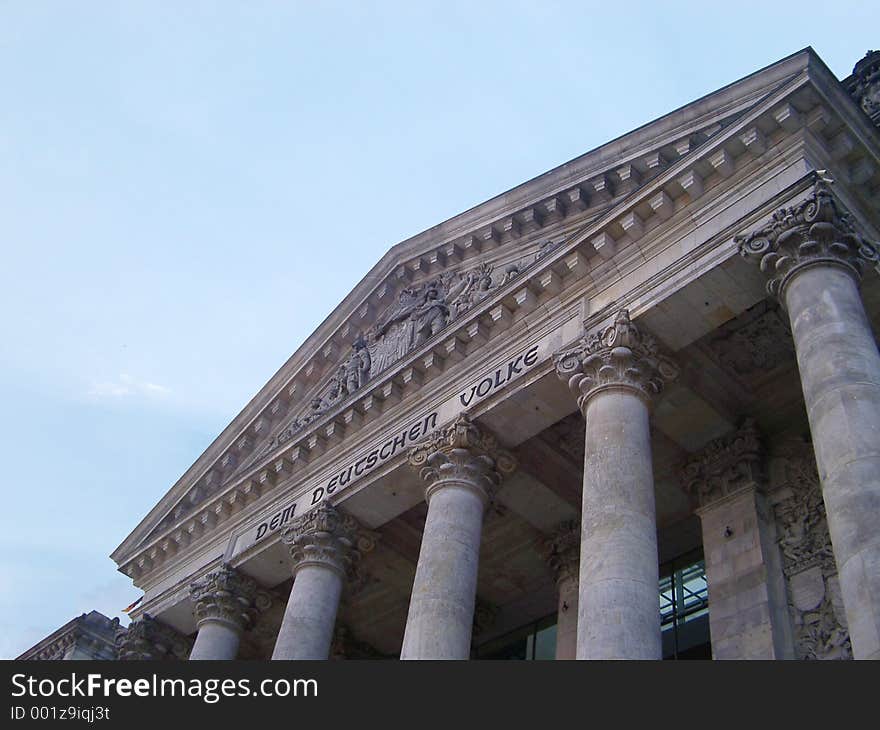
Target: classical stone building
<point>89,636</point>
<point>628,409</point>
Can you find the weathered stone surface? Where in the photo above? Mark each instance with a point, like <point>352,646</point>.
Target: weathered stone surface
<point>324,544</point>
<point>562,552</point>
<point>814,258</point>
<point>461,465</point>
<point>614,374</point>
<point>226,604</point>
<point>149,639</point>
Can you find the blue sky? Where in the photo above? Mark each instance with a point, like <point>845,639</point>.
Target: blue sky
<point>188,189</point>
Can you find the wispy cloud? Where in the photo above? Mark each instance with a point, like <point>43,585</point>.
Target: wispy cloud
<point>127,386</point>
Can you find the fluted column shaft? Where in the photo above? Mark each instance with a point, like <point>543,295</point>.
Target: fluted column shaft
<point>814,259</point>
<point>614,374</point>
<point>461,465</point>
<point>323,547</point>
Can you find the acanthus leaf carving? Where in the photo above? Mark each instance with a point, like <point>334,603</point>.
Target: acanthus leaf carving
<point>562,551</point>
<point>619,356</point>
<point>464,452</point>
<point>725,465</point>
<point>815,230</point>
<point>227,595</point>
<point>148,638</point>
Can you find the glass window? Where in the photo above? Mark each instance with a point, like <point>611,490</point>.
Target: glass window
<point>684,609</point>
<point>684,619</point>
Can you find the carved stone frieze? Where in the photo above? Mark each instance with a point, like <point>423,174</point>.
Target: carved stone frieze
<point>800,516</point>
<point>328,537</point>
<point>725,465</point>
<point>227,595</point>
<point>759,346</point>
<point>808,559</point>
<point>814,231</point>
<point>819,634</point>
<point>148,638</point>
<point>619,356</point>
<point>465,452</point>
<point>562,551</point>
<point>421,311</point>
<point>864,85</point>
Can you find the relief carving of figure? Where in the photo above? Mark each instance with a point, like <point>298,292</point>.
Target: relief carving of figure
<point>355,370</point>
<point>473,288</point>
<point>432,315</point>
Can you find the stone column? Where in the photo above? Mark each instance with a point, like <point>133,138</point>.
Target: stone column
<point>324,544</point>
<point>748,609</point>
<point>462,465</point>
<point>814,258</point>
<point>225,602</point>
<point>562,551</point>
<point>614,375</point>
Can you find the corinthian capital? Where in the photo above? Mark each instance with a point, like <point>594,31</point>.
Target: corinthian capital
<point>814,231</point>
<point>227,595</point>
<point>465,453</point>
<point>562,551</point>
<point>147,639</point>
<point>327,537</point>
<point>725,465</point>
<point>620,356</point>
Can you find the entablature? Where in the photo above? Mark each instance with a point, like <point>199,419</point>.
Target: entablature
<point>604,240</point>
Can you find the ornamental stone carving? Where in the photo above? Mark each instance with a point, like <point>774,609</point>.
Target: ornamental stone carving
<point>149,639</point>
<point>800,516</point>
<point>725,465</point>
<point>620,356</point>
<point>864,85</point>
<point>420,312</point>
<point>815,602</point>
<point>463,452</point>
<point>228,596</point>
<point>327,537</point>
<point>814,231</point>
<point>562,551</point>
<point>761,345</point>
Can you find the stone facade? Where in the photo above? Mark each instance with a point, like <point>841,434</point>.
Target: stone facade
<point>522,418</point>
<point>90,636</point>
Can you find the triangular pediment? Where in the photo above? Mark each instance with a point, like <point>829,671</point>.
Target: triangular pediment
<point>425,287</point>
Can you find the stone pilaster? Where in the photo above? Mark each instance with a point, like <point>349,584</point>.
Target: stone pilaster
<point>748,615</point>
<point>562,552</point>
<point>814,257</point>
<point>325,544</point>
<point>149,639</point>
<point>462,465</point>
<point>614,374</point>
<point>226,602</point>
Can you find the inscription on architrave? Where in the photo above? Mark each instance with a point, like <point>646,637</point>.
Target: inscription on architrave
<point>398,438</point>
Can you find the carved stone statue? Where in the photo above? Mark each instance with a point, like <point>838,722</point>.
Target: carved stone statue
<point>355,370</point>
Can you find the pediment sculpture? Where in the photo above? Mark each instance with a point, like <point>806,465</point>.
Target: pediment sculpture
<point>420,312</point>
